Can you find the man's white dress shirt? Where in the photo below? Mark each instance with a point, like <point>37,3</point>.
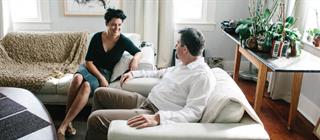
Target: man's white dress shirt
<point>183,92</point>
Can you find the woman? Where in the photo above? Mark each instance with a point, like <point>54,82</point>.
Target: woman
<point>105,50</point>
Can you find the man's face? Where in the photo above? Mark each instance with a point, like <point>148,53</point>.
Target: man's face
<point>180,48</point>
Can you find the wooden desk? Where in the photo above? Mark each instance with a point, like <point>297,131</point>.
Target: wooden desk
<point>306,62</point>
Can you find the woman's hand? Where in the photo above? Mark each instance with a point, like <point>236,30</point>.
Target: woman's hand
<point>125,77</point>
<point>133,64</point>
<point>103,82</point>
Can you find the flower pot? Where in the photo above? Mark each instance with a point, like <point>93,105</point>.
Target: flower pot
<point>316,41</point>
<point>251,43</point>
<point>283,49</point>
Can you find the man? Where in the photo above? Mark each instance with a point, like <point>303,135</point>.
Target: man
<point>180,96</point>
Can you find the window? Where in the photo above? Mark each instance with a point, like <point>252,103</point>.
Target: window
<point>313,16</point>
<point>24,10</point>
<point>312,21</point>
<point>193,11</point>
<point>29,15</point>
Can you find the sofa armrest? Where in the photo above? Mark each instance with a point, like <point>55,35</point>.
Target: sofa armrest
<point>119,130</point>
<point>142,86</point>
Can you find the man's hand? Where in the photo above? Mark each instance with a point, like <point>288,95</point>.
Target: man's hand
<point>125,77</point>
<point>144,120</point>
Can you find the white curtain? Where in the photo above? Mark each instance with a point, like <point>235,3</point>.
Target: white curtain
<point>1,19</point>
<point>280,83</point>
<point>154,21</point>
<point>5,18</point>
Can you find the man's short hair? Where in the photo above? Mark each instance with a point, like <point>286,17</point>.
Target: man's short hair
<point>193,39</point>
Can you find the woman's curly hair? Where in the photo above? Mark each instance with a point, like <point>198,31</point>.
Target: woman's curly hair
<point>114,13</point>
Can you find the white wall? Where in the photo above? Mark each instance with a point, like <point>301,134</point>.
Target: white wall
<point>60,22</point>
<point>217,43</point>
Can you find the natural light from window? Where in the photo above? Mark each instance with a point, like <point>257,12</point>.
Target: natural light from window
<point>312,25</point>
<point>313,18</point>
<point>24,9</point>
<point>188,10</point>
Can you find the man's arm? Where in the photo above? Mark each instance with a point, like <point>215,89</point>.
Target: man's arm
<point>142,73</point>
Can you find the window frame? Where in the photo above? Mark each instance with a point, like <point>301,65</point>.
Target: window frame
<point>40,23</point>
<point>308,45</point>
<point>207,23</point>
<point>207,15</point>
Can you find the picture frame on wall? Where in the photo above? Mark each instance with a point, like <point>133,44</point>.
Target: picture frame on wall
<point>316,130</point>
<point>89,7</point>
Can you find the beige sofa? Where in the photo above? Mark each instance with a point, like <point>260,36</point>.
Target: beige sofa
<point>64,45</point>
<point>228,116</point>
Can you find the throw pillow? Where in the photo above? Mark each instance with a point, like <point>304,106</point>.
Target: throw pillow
<point>231,113</point>
<point>146,62</point>
<point>121,67</point>
<point>223,105</point>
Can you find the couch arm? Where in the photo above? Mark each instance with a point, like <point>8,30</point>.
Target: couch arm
<point>142,86</point>
<point>119,130</point>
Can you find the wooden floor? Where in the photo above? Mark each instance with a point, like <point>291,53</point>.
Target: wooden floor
<point>274,115</point>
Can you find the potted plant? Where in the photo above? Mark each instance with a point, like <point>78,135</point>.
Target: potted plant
<point>284,34</point>
<point>314,36</point>
<point>252,30</point>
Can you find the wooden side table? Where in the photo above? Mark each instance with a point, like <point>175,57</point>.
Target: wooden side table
<point>306,62</point>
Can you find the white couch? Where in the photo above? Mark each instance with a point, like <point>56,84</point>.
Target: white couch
<point>235,119</point>
<point>60,86</point>
<point>55,90</point>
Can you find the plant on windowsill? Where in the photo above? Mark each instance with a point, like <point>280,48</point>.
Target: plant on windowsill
<point>314,36</point>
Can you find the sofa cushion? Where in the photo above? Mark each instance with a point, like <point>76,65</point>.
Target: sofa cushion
<point>56,86</point>
<point>49,87</point>
<point>146,63</point>
<point>232,112</point>
<point>64,83</point>
<point>221,106</point>
<point>142,86</point>
<point>121,67</point>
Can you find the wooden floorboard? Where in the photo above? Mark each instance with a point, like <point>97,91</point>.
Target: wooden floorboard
<point>274,115</point>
